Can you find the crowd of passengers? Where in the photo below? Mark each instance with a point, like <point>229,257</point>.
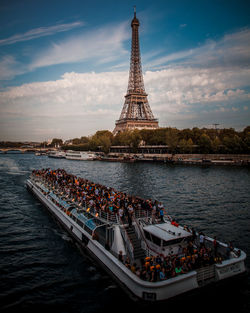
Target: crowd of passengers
<point>109,200</point>
<point>97,196</point>
<point>192,257</point>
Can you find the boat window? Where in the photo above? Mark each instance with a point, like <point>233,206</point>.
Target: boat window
<point>156,240</point>
<point>151,237</point>
<point>147,235</point>
<point>172,242</point>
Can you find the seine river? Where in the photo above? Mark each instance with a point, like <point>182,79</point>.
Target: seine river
<point>42,269</point>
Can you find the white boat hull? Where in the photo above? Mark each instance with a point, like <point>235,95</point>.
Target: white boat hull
<point>79,155</point>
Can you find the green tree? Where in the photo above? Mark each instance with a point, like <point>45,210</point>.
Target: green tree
<point>56,142</point>
<point>135,139</point>
<point>43,144</point>
<point>196,134</point>
<point>102,139</point>
<point>172,139</point>
<point>122,139</point>
<point>186,133</point>
<point>186,146</point>
<point>238,144</point>
<point>158,136</point>
<point>146,136</point>
<point>84,140</point>
<point>76,141</point>
<point>105,143</point>
<point>226,132</point>
<point>190,145</point>
<point>205,144</point>
<point>233,144</point>
<point>246,140</point>
<point>216,145</point>
<point>93,143</point>
<point>183,146</point>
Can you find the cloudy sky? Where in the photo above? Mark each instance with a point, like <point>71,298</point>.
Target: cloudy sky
<point>64,64</point>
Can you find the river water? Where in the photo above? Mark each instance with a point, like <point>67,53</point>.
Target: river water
<point>42,269</point>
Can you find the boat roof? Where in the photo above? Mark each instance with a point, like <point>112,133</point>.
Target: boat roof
<point>167,231</point>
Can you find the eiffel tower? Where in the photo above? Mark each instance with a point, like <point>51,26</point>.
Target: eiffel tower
<point>136,112</point>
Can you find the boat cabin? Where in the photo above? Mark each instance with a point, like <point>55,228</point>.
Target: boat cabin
<point>166,238</point>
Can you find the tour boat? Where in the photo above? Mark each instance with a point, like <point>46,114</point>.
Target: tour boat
<point>111,240</point>
<point>56,154</point>
<point>80,155</point>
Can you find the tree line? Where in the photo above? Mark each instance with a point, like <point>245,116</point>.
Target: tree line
<point>194,140</point>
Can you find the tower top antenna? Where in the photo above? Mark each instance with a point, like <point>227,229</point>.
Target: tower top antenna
<point>135,10</point>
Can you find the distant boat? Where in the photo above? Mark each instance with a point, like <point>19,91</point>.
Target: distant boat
<point>56,154</point>
<point>40,152</point>
<point>80,155</point>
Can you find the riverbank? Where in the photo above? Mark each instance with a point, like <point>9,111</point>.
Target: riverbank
<point>187,159</point>
<point>168,158</point>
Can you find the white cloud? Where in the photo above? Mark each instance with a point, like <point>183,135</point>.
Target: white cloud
<point>180,89</point>
<point>10,67</point>
<point>104,45</point>
<point>79,104</point>
<point>171,57</point>
<point>99,46</point>
<point>229,51</point>
<point>40,32</point>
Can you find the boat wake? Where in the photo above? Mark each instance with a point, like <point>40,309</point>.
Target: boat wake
<point>110,287</point>
<point>66,238</point>
<point>97,276</point>
<point>9,166</point>
<point>62,235</point>
<point>91,269</point>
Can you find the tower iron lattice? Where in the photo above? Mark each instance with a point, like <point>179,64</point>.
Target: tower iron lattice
<point>136,112</point>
